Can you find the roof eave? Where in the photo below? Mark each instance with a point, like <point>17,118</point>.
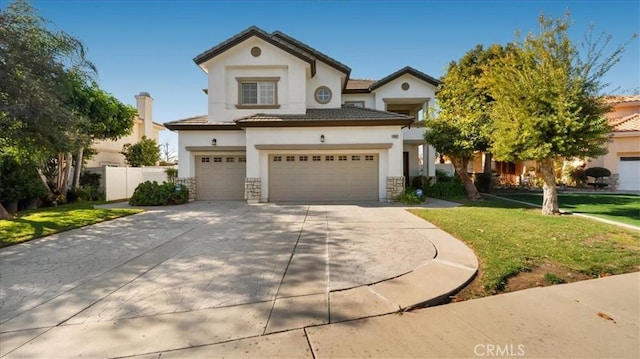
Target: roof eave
<point>326,123</point>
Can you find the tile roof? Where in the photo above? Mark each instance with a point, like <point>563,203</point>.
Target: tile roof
<point>614,100</point>
<point>626,124</point>
<point>328,114</point>
<point>359,84</point>
<point>366,86</point>
<point>200,123</point>
<point>194,119</point>
<point>278,39</point>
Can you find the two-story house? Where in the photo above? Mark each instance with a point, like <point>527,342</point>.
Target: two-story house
<point>286,123</point>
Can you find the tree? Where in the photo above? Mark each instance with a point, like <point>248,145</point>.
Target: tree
<point>35,64</point>
<point>144,153</point>
<point>462,125</point>
<point>546,101</point>
<point>99,115</point>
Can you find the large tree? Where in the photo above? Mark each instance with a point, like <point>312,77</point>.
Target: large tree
<point>462,123</point>
<point>144,153</point>
<point>36,65</point>
<point>99,116</point>
<point>546,101</point>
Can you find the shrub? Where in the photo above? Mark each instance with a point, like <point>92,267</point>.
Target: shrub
<point>483,182</point>
<point>172,174</point>
<point>410,197</point>
<point>451,187</point>
<point>442,176</point>
<point>597,172</point>
<point>153,194</point>
<point>90,179</point>
<point>419,182</point>
<point>577,176</point>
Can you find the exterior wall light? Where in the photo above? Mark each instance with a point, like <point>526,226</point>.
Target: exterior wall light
<point>214,142</point>
<point>322,138</point>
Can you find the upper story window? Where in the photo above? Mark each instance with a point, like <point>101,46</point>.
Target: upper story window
<point>323,95</point>
<point>257,92</point>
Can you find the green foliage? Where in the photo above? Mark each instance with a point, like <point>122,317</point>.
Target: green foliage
<point>553,278</point>
<point>18,180</point>
<point>172,174</point>
<point>153,194</point>
<point>597,172</point>
<point>419,182</point>
<point>90,179</point>
<point>450,187</point>
<point>484,182</point>
<point>509,238</point>
<point>144,153</point>
<point>463,125</point>
<point>410,197</point>
<point>36,65</point>
<point>546,101</point>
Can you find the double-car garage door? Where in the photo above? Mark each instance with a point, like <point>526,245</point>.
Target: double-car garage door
<point>220,177</point>
<point>323,177</point>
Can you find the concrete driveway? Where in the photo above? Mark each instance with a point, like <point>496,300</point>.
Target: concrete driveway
<point>206,273</point>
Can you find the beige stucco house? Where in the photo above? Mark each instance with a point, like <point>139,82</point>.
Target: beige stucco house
<point>624,148</point>
<point>286,122</point>
<point>108,152</point>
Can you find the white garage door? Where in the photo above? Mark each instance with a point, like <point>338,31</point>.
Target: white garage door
<point>629,172</point>
<point>323,177</point>
<point>220,177</point>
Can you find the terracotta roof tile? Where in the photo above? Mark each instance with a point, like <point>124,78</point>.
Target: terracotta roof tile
<point>188,120</point>
<point>614,100</point>
<point>626,124</point>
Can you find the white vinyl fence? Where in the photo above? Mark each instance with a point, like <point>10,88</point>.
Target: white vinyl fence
<point>120,182</point>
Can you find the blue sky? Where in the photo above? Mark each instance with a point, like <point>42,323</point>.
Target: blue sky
<point>148,45</point>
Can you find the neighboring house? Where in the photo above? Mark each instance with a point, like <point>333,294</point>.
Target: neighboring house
<point>108,152</point>
<point>286,123</point>
<point>624,149</point>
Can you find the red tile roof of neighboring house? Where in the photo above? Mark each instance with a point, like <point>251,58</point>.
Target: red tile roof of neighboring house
<point>614,100</point>
<point>626,124</point>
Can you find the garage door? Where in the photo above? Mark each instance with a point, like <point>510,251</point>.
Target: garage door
<point>220,177</point>
<point>629,172</point>
<point>323,177</point>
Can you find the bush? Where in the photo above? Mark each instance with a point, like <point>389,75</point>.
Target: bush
<point>153,194</point>
<point>172,174</point>
<point>577,176</point>
<point>90,179</point>
<point>597,172</point>
<point>451,187</point>
<point>419,182</point>
<point>410,197</point>
<point>484,182</point>
<point>442,176</point>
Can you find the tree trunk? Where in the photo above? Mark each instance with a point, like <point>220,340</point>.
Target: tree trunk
<point>460,165</point>
<point>66,174</point>
<point>488,157</point>
<point>4,214</point>
<point>78,169</point>
<point>550,194</point>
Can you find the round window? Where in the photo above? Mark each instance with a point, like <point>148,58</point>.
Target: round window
<point>405,86</point>
<point>323,94</point>
<point>255,51</point>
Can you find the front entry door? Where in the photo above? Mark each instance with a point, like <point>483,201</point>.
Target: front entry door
<point>405,167</point>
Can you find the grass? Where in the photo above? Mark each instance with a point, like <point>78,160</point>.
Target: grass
<point>615,207</point>
<point>509,239</point>
<point>42,222</point>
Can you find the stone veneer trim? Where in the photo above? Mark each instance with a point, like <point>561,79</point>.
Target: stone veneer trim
<point>252,189</point>
<point>395,187</point>
<point>190,182</point>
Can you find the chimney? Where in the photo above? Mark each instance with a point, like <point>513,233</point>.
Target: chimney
<point>144,103</point>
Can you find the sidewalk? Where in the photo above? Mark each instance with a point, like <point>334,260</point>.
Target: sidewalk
<point>589,319</point>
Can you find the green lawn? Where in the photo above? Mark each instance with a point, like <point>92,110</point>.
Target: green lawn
<point>509,239</point>
<point>45,221</point>
<point>615,207</point>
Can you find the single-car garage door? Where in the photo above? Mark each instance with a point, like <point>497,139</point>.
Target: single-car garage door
<point>323,177</point>
<point>220,177</point>
<point>629,173</point>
